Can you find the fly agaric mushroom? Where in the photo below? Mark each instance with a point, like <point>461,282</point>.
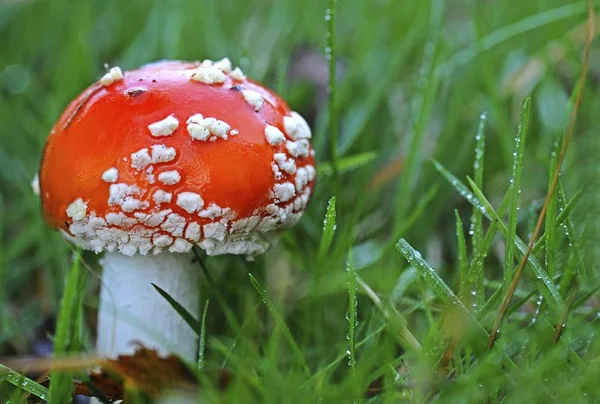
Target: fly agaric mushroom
<point>144,165</point>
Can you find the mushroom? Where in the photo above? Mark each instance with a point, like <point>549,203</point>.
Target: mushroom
<point>144,165</point>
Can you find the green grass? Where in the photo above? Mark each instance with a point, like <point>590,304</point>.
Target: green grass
<point>388,288</point>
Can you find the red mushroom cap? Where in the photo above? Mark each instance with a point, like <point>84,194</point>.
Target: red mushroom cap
<point>175,154</point>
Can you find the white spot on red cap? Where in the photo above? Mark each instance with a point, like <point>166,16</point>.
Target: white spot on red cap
<point>120,219</point>
<point>164,127</point>
<point>284,192</point>
<point>130,204</point>
<point>118,192</point>
<point>211,212</point>
<point>245,225</point>
<point>301,179</point>
<point>114,74</point>
<point>254,99</point>
<point>161,196</point>
<point>180,246</point>
<point>174,224</point>
<point>276,171</point>
<point>287,165</point>
<point>204,129</point>
<point>169,177</point>
<point>190,201</point>
<point>296,126</point>
<point>298,148</point>
<point>237,74</point>
<point>162,153</point>
<point>111,175</point>
<point>216,230</point>
<point>152,219</point>
<point>77,210</point>
<point>162,240</point>
<point>274,135</point>
<point>192,231</point>
<point>140,159</point>
<point>208,75</point>
<point>224,65</point>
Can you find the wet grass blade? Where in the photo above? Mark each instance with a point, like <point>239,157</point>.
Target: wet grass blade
<point>23,383</point>
<point>537,273</point>
<point>475,277</point>
<point>281,324</point>
<point>550,221</point>
<point>461,188</point>
<point>433,280</point>
<point>572,235</point>
<point>515,191</point>
<point>328,230</point>
<point>462,257</point>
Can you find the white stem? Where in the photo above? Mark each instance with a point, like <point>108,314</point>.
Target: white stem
<point>131,310</point>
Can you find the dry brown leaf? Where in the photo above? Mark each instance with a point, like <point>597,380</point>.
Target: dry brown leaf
<point>145,371</point>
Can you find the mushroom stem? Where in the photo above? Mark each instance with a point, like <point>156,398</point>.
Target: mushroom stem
<point>132,311</point>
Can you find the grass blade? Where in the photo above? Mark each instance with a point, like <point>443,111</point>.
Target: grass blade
<point>590,26</point>
<point>461,188</point>
<point>515,191</point>
<point>395,320</point>
<point>462,258</point>
<point>476,276</point>
<point>328,230</point>
<point>433,280</point>
<point>202,340</point>
<point>539,276</point>
<point>23,383</point>
<point>281,324</point>
<point>572,236</point>
<point>352,313</point>
<point>423,105</point>
<point>550,223</point>
<point>61,384</point>
<point>346,164</point>
<point>330,55</point>
<point>182,311</point>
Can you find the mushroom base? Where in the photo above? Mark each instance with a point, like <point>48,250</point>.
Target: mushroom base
<point>131,311</point>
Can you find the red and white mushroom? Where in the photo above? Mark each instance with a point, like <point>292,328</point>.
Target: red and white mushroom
<point>146,164</point>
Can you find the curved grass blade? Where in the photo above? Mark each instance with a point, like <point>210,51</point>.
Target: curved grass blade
<point>515,191</point>
<point>182,311</point>
<point>281,324</point>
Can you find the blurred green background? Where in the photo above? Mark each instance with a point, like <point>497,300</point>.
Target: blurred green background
<point>413,79</point>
